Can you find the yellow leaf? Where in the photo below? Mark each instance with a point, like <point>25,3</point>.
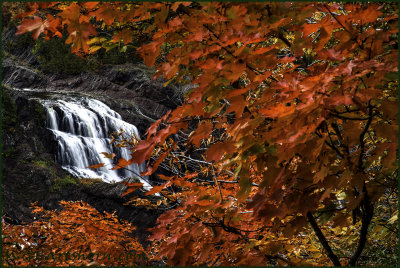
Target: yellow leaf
<point>393,219</point>
<point>94,49</point>
<point>167,83</point>
<point>93,41</point>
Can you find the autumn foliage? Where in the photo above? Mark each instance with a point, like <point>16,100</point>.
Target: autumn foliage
<point>293,121</point>
<point>77,235</point>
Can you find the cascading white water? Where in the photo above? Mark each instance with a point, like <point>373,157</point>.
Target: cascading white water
<point>82,128</point>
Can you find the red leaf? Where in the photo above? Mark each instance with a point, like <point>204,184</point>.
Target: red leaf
<point>107,12</point>
<point>279,110</point>
<point>71,13</point>
<point>90,5</point>
<point>96,166</point>
<point>134,184</point>
<point>142,151</point>
<point>126,36</point>
<point>122,163</point>
<point>330,54</point>
<point>132,189</point>
<point>310,28</point>
<point>150,170</point>
<point>237,105</point>
<point>196,54</point>
<point>158,188</point>
<point>263,50</point>
<point>216,151</point>
<point>202,132</point>
<point>149,52</point>
<point>163,177</point>
<point>287,59</point>
<point>35,25</point>
<point>107,155</point>
<point>44,5</point>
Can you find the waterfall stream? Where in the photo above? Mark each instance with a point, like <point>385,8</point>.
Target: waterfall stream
<point>82,128</point>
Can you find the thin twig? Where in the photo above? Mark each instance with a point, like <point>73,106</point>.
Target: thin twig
<point>362,143</point>
<point>216,182</point>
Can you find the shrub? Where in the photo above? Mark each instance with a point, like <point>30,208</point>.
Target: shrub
<point>55,57</point>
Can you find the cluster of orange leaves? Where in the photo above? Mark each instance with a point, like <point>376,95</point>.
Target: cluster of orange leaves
<point>76,235</point>
<point>304,94</point>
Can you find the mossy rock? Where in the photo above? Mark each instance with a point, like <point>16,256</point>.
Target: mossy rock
<point>61,183</point>
<point>89,182</point>
<point>132,180</point>
<point>40,163</point>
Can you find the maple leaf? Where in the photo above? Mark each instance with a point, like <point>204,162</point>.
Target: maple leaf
<point>310,28</point>
<point>150,52</point>
<point>151,169</point>
<point>217,150</point>
<point>126,36</point>
<point>203,130</point>
<point>122,163</point>
<point>279,110</point>
<point>90,5</point>
<point>96,166</point>
<point>142,151</point>
<point>106,12</point>
<point>71,14</point>
<point>156,189</point>
<point>132,187</point>
<point>35,25</point>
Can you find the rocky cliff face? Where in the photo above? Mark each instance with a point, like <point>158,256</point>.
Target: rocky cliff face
<point>29,171</point>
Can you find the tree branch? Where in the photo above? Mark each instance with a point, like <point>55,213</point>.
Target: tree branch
<point>334,148</point>
<point>323,240</point>
<point>367,214</point>
<point>362,143</point>
<point>351,118</point>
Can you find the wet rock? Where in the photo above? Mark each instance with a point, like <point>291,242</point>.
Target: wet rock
<point>21,76</point>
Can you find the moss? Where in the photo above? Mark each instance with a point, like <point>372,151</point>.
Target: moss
<point>60,183</point>
<point>55,57</point>
<point>40,163</point>
<point>8,152</point>
<point>40,113</point>
<point>4,54</point>
<point>9,112</point>
<point>44,165</point>
<point>89,182</point>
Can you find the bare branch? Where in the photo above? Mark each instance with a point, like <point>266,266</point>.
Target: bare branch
<point>367,213</point>
<point>323,240</point>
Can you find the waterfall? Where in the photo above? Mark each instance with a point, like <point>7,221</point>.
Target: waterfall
<point>82,128</point>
